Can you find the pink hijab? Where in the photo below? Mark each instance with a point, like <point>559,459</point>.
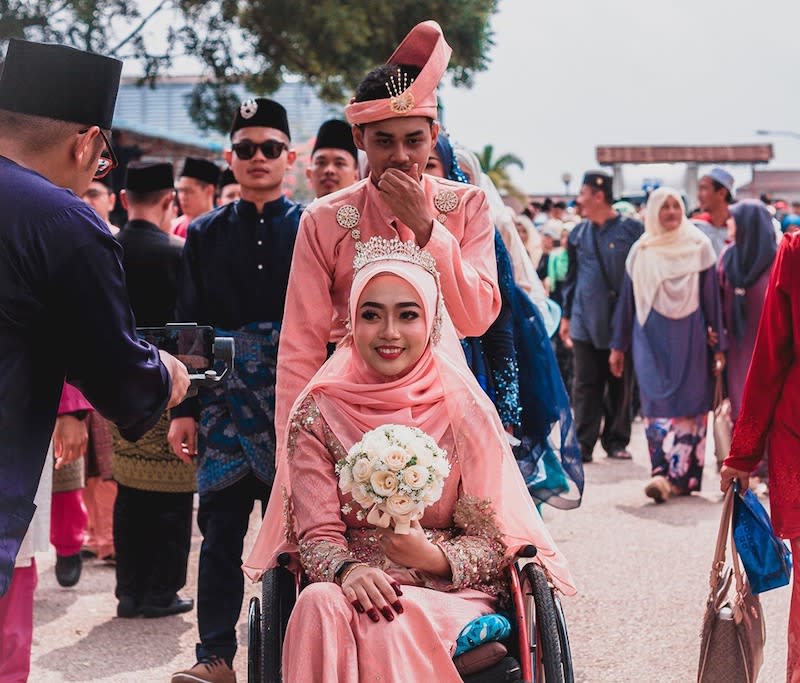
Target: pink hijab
<point>437,394</point>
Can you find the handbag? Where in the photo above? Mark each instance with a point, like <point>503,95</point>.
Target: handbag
<point>723,424</point>
<point>766,559</point>
<point>732,641</point>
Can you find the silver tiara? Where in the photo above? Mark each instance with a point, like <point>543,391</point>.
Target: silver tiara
<point>381,249</point>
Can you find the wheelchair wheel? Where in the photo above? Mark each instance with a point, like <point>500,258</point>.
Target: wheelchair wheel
<point>278,595</point>
<point>543,633</point>
<point>563,639</point>
<point>254,673</point>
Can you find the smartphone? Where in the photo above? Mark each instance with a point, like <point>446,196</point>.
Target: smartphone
<point>191,344</point>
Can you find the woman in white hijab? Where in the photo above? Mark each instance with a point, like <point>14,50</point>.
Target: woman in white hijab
<point>668,316</point>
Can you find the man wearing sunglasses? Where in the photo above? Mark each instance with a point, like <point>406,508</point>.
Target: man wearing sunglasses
<point>234,276</point>
<point>64,310</point>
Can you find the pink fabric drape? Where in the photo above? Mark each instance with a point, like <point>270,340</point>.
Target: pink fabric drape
<point>16,625</point>
<point>68,518</point>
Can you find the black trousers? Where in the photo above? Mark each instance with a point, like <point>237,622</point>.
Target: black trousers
<point>600,398</point>
<point>223,518</point>
<point>152,538</point>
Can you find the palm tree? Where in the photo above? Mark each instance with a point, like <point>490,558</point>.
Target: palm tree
<point>497,170</point>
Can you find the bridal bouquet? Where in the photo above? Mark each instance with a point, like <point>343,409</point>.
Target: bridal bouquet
<point>394,472</point>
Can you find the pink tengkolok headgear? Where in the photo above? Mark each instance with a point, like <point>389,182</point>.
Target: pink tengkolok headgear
<point>425,47</point>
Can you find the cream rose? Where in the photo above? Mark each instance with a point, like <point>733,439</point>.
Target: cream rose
<point>361,496</point>
<point>383,483</point>
<point>399,505</point>
<point>362,470</point>
<point>395,458</point>
<point>433,494</point>
<point>416,476</point>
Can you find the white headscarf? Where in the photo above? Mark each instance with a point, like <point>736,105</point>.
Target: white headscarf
<point>665,266</point>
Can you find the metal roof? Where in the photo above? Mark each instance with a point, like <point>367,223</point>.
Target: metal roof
<point>700,154</point>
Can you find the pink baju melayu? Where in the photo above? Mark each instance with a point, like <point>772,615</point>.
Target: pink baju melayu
<point>485,514</point>
<point>462,242</point>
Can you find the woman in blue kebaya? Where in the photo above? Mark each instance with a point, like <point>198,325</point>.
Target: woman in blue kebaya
<point>670,318</point>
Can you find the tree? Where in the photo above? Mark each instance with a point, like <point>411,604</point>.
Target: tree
<point>497,170</point>
<point>330,44</point>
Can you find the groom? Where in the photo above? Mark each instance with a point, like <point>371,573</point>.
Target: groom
<point>393,117</point>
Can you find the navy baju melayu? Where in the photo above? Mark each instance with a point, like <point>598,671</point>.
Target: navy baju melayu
<point>234,277</point>
<point>64,312</point>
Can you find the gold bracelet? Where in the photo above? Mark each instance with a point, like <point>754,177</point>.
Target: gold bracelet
<point>348,570</point>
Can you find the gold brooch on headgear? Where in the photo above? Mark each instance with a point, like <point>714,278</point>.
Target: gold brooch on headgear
<point>401,99</point>
<point>380,249</point>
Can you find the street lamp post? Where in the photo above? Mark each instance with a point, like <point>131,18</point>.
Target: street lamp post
<point>566,178</point>
<point>779,133</point>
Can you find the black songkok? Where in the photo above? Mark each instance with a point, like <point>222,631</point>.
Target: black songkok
<point>261,112</point>
<point>336,134</point>
<point>201,169</point>
<point>227,178</point>
<point>149,177</point>
<point>59,82</point>
<point>598,180</point>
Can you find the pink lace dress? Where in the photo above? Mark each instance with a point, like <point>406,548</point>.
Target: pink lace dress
<point>327,641</point>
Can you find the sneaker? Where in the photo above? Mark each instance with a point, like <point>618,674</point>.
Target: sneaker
<point>68,569</point>
<point>211,670</point>
<point>659,489</point>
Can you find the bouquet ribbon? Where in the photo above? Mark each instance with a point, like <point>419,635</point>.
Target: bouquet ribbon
<point>402,523</point>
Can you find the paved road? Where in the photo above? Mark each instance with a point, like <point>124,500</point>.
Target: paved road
<point>642,571</point>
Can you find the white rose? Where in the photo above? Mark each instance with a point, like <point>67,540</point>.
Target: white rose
<point>422,452</point>
<point>362,470</point>
<point>383,483</point>
<point>416,476</point>
<point>395,458</point>
<point>399,504</point>
<point>346,479</point>
<point>374,441</point>
<point>441,466</point>
<point>403,434</point>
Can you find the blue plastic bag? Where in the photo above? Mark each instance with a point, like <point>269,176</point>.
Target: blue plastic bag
<point>766,559</point>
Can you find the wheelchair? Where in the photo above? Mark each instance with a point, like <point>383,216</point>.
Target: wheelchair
<point>538,648</point>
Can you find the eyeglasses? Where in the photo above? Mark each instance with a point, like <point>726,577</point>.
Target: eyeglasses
<point>107,161</point>
<point>271,149</point>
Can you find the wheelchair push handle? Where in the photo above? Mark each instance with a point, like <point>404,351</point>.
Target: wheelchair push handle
<point>527,551</point>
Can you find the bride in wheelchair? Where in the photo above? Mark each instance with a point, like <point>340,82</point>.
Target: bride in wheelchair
<point>382,605</point>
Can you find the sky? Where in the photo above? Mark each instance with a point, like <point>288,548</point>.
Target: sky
<point>568,75</point>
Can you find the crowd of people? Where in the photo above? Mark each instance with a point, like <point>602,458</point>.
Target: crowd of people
<point>406,293</point>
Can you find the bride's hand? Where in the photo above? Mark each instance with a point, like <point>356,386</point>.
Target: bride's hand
<point>371,590</point>
<point>414,550</point>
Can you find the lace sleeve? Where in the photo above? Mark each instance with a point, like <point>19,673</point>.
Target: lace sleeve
<point>477,555</point>
<point>314,514</point>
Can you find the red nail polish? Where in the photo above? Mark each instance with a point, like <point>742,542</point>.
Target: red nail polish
<point>398,607</point>
<point>387,613</point>
<point>372,613</point>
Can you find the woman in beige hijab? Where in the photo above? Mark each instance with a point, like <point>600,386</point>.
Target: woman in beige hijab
<point>668,316</point>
